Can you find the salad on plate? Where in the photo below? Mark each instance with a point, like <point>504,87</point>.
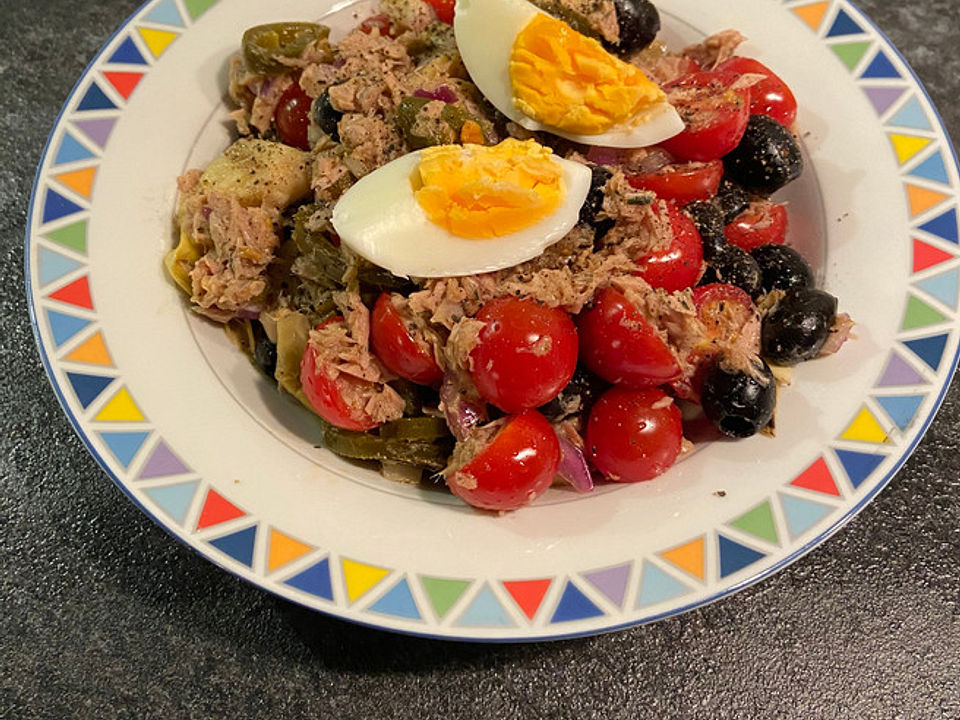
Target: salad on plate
<point>501,245</point>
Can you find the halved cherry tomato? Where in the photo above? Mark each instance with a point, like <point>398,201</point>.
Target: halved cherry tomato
<point>687,65</point>
<point>678,265</point>
<point>327,394</point>
<point>762,223</point>
<point>715,115</point>
<point>381,23</point>
<point>621,346</point>
<point>401,346</point>
<point>681,184</point>
<point>525,355</point>
<point>444,9</point>
<point>771,96</point>
<point>517,466</point>
<point>634,435</point>
<point>725,311</point>
<point>292,117</point>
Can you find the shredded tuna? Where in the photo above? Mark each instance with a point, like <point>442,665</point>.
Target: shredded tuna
<point>463,339</point>
<point>240,92</point>
<point>422,332</point>
<point>268,91</point>
<point>600,15</point>
<point>667,67</point>
<point>603,18</point>
<point>475,442</point>
<point>672,314</point>
<point>414,17</point>
<point>316,52</point>
<point>715,49</point>
<point>428,123</point>
<point>519,132</point>
<point>355,315</point>
<point>384,404</point>
<point>566,275</point>
<point>240,118</point>
<point>367,93</point>
<point>239,244</point>
<point>365,58</point>
<point>662,403</point>
<point>570,429</point>
<point>841,331</point>
<point>641,222</point>
<point>370,142</point>
<point>188,182</point>
<point>329,178</point>
<point>343,348</point>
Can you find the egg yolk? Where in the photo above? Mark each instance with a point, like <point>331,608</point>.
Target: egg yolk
<point>567,80</point>
<point>482,192</point>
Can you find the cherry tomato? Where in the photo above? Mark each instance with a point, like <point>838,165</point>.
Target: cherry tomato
<point>714,113</point>
<point>682,184</point>
<point>379,22</point>
<point>525,355</point>
<point>679,264</point>
<point>762,223</point>
<point>688,66</point>
<point>634,435</point>
<point>292,117</point>
<point>621,346</point>
<point>771,96</point>
<point>444,9</point>
<point>514,468</point>
<point>400,346</point>
<point>723,309</point>
<point>328,395</point>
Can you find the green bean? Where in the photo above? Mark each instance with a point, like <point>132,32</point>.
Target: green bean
<point>319,261</point>
<point>411,398</point>
<point>377,278</point>
<point>365,446</point>
<point>416,428</point>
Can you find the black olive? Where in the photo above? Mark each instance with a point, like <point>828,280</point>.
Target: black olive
<point>767,158</point>
<point>782,268</point>
<point>327,116</point>
<point>731,199</point>
<point>734,266</point>
<point>639,23</point>
<point>709,221</point>
<point>737,402</point>
<point>594,202</point>
<point>798,326</point>
<point>264,351</point>
<point>582,392</point>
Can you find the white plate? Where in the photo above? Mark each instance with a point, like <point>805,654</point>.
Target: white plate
<point>184,425</point>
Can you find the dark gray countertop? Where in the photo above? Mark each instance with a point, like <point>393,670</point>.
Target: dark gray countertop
<point>104,615</point>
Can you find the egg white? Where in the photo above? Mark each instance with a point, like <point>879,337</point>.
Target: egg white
<point>380,219</point>
<point>485,31</point>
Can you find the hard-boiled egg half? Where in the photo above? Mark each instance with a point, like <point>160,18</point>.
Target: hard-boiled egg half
<point>454,210</point>
<point>543,75</point>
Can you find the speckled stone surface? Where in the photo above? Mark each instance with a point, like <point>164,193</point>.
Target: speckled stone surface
<point>104,616</point>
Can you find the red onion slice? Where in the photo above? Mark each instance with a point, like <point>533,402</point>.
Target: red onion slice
<point>601,155</point>
<point>462,414</point>
<point>250,312</point>
<point>442,93</point>
<point>573,466</point>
